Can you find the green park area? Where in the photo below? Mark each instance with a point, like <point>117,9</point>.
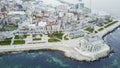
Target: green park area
<point>89,29</point>
<point>53,40</point>
<point>57,35</point>
<point>7,41</point>
<point>110,24</point>
<point>100,29</point>
<point>9,28</point>
<point>16,42</point>
<point>21,36</point>
<point>107,25</point>
<point>36,39</point>
<point>65,38</point>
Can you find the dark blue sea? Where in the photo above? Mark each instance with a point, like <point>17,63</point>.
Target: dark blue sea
<point>56,59</point>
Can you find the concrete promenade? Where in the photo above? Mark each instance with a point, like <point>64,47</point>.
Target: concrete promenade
<point>70,49</point>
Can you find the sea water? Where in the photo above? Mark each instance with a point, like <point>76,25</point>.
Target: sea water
<point>56,59</point>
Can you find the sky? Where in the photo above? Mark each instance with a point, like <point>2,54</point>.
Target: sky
<point>110,6</point>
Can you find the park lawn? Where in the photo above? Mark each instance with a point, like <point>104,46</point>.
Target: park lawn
<point>107,25</point>
<point>10,28</point>
<point>17,37</point>
<point>34,35</point>
<point>110,24</point>
<point>56,35</point>
<point>53,40</point>
<point>36,39</point>
<point>19,42</point>
<point>100,29</point>
<point>77,37</point>
<point>7,41</point>
<point>24,36</point>
<point>41,35</point>
<point>89,29</point>
<point>65,38</point>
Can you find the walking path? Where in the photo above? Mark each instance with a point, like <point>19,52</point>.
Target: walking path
<point>12,40</point>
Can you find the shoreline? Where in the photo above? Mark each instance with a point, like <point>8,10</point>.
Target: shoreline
<point>69,49</point>
<point>108,30</point>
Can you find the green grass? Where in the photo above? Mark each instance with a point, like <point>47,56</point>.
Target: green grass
<point>89,29</point>
<point>10,28</point>
<point>24,36</point>
<point>77,37</point>
<point>17,37</point>
<point>41,35</point>
<point>36,39</point>
<point>19,42</point>
<point>53,40</point>
<point>56,35</point>
<point>6,41</point>
<point>100,29</point>
<point>110,24</point>
<point>65,38</point>
<point>34,35</point>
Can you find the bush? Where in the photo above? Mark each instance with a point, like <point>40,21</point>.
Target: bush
<point>96,32</point>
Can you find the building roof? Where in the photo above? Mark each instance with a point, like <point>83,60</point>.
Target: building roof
<point>16,13</point>
<point>42,23</point>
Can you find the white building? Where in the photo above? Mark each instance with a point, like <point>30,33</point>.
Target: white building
<point>16,13</point>
<point>91,43</point>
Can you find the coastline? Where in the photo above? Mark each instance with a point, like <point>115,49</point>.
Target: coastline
<point>106,31</point>
<point>69,48</point>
